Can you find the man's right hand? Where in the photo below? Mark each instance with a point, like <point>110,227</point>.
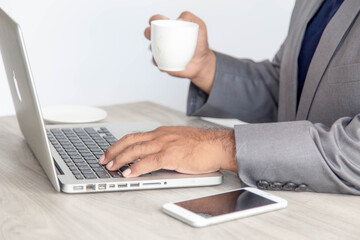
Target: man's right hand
<point>201,68</point>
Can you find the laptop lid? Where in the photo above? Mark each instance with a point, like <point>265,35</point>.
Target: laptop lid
<point>24,96</point>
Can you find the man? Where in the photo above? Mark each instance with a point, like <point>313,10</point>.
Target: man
<point>306,104</point>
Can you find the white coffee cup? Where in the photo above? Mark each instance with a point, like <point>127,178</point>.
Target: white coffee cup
<point>173,43</point>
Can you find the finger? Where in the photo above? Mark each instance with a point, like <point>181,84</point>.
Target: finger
<point>148,164</point>
<point>154,62</point>
<point>147,33</point>
<point>157,17</point>
<point>123,143</point>
<point>190,17</point>
<point>132,153</point>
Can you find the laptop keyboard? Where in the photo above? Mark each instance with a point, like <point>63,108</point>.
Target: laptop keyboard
<point>80,148</point>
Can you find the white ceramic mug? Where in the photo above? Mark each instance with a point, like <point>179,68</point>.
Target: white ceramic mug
<point>173,43</point>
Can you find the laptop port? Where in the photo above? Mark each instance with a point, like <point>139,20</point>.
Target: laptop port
<point>124,185</point>
<point>151,183</point>
<point>111,185</point>
<point>78,188</point>
<point>102,187</point>
<point>90,187</point>
<point>134,184</point>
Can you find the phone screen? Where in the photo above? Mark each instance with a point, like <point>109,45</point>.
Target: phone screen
<point>225,203</point>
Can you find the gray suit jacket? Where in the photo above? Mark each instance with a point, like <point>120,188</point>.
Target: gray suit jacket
<point>314,147</point>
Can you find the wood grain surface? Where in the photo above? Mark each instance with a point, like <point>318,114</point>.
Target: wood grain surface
<point>31,209</point>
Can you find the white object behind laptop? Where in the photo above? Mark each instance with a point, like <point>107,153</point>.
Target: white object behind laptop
<point>31,123</point>
<point>73,114</point>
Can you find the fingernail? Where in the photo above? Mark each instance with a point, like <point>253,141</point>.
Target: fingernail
<point>126,172</point>
<point>102,158</point>
<point>109,165</point>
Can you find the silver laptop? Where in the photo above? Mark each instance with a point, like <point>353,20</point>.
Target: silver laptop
<point>68,153</point>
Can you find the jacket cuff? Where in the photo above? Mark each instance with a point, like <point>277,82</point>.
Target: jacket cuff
<point>276,155</point>
<point>200,103</point>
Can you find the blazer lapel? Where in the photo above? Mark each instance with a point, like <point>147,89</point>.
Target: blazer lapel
<point>331,38</point>
<point>288,86</point>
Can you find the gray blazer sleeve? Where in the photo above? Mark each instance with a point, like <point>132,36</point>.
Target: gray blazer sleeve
<point>325,159</point>
<point>242,89</point>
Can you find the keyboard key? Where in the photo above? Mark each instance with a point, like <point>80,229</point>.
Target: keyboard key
<point>86,171</point>
<point>91,144</point>
<point>95,136</point>
<point>90,176</point>
<point>92,161</point>
<point>104,148</point>
<point>87,155</point>
<point>71,152</point>
<point>100,170</point>
<point>76,172</point>
<point>67,160</point>
<point>123,168</point>
<point>65,144</point>
<point>74,155</point>
<point>69,164</point>
<point>95,165</point>
<point>78,176</point>
<point>101,142</point>
<point>109,134</point>
<point>84,167</point>
<point>115,174</point>
<point>82,148</point>
<point>110,139</point>
<point>96,151</point>
<point>58,148</point>
<point>73,168</point>
<point>89,130</point>
<point>81,164</point>
<point>78,160</point>
<point>69,147</point>
<point>83,151</point>
<point>98,154</point>
<point>103,175</point>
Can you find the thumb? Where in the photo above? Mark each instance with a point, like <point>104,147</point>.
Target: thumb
<point>147,31</point>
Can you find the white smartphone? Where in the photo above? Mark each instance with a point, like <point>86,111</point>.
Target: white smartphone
<point>221,207</point>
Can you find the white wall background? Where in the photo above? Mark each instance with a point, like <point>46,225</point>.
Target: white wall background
<point>93,52</point>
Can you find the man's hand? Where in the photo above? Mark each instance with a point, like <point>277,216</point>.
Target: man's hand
<point>182,149</point>
<point>201,68</point>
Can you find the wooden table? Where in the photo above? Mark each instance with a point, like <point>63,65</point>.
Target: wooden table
<point>31,209</point>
